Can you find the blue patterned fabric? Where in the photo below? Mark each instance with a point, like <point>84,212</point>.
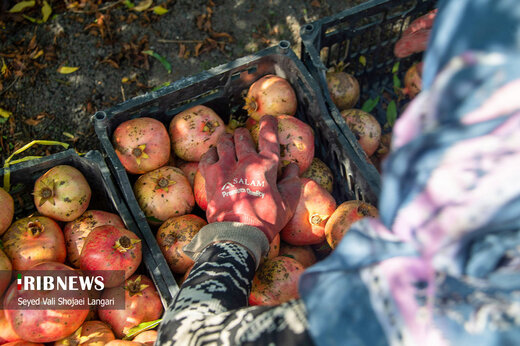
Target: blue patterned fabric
<point>441,266</point>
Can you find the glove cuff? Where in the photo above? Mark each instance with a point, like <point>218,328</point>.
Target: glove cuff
<point>252,238</point>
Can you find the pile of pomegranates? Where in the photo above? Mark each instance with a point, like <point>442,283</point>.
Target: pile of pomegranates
<point>68,238</point>
<point>172,194</point>
<point>344,91</point>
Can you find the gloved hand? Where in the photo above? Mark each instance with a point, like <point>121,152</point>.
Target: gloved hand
<point>241,183</point>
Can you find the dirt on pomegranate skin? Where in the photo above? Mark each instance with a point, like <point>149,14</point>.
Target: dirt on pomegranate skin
<point>105,41</point>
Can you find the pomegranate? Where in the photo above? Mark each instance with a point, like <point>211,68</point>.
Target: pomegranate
<point>7,333</point>
<point>163,193</point>
<point>344,216</point>
<point>91,333</point>
<point>315,206</point>
<point>276,281</point>
<point>142,304</point>
<point>32,240</point>
<point>382,151</point>
<point>62,193</point>
<point>320,173</point>
<point>111,249</point>
<point>44,325</point>
<point>76,231</point>
<point>296,140</point>
<point>413,80</point>
<point>302,253</point>
<point>199,190</point>
<point>173,235</point>
<point>141,144</point>
<point>365,127</point>
<point>189,169</point>
<point>271,95</point>
<point>5,271</point>
<point>6,210</point>
<point>23,343</point>
<point>194,131</point>
<point>146,338</point>
<point>274,249</point>
<point>343,88</point>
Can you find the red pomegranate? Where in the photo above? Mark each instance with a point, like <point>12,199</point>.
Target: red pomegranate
<point>173,235</point>
<point>141,144</point>
<point>164,193</point>
<point>276,281</point>
<point>344,216</point>
<point>5,271</point>
<point>45,325</point>
<point>91,333</point>
<point>194,131</point>
<point>76,231</point>
<point>189,169</point>
<point>271,95</point>
<point>147,338</point>
<point>365,127</point>
<point>6,210</point>
<point>199,190</point>
<point>413,80</point>
<point>114,250</point>
<point>32,240</point>
<point>315,206</point>
<point>7,333</point>
<point>296,140</point>
<point>343,88</point>
<point>320,173</point>
<point>62,193</point>
<point>142,304</point>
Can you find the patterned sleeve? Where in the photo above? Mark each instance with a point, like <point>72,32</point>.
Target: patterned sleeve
<point>211,307</point>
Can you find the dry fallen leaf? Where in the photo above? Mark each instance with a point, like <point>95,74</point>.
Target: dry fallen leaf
<point>315,3</point>
<point>143,5</point>
<point>67,69</point>
<point>37,119</point>
<point>197,48</point>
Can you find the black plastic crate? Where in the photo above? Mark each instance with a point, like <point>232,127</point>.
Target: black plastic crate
<point>362,38</point>
<point>105,196</point>
<point>221,88</point>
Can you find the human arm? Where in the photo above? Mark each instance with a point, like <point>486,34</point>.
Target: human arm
<point>212,303</point>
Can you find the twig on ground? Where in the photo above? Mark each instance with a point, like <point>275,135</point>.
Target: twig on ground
<point>179,41</point>
<point>9,86</point>
<point>107,7</point>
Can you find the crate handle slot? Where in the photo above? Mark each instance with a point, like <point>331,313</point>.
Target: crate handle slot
<point>249,70</point>
<point>100,116</point>
<point>309,28</point>
<point>283,46</point>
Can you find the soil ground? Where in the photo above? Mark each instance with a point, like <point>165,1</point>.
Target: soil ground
<point>105,40</point>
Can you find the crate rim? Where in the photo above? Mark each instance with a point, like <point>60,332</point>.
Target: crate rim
<point>283,48</point>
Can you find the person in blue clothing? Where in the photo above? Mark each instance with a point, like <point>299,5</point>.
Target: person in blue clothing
<point>440,266</point>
